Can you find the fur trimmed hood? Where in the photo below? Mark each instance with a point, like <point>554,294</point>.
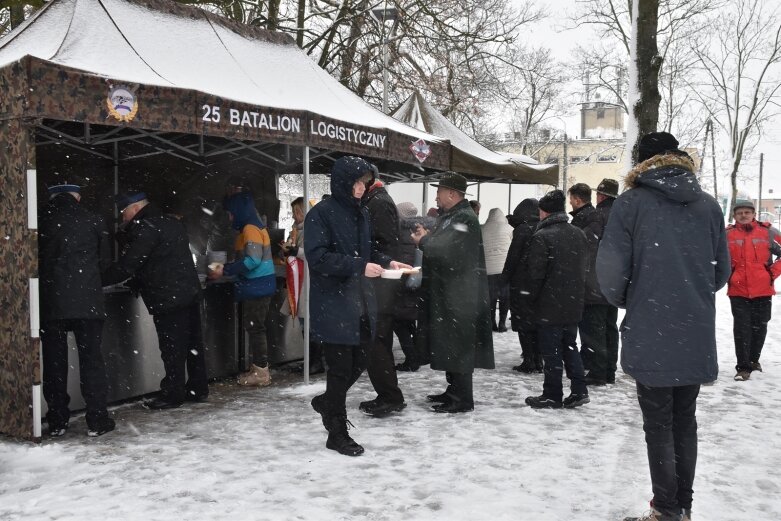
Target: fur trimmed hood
<point>670,174</point>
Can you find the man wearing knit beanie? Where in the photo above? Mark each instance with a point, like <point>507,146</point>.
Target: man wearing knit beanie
<point>557,272</point>
<point>665,274</point>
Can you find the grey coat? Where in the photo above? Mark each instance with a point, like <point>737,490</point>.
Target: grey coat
<point>663,257</point>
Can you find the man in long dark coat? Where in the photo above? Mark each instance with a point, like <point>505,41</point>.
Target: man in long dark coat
<point>73,248</point>
<point>455,322</point>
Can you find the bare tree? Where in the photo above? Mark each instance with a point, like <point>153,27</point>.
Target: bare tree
<point>678,23</point>
<point>741,63</point>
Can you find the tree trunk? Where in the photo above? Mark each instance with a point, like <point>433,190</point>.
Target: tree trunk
<point>273,15</point>
<point>300,23</point>
<point>648,63</point>
<point>17,14</point>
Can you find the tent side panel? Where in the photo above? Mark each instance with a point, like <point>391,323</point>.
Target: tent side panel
<point>19,353</point>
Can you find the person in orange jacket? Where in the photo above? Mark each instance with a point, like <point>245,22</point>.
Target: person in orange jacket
<point>752,245</point>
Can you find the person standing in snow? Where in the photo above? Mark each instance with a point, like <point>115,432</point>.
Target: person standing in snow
<point>515,273</point>
<point>497,236</point>
<point>454,325</point>
<point>557,279</point>
<point>593,333</point>
<point>752,245</point>
<point>406,315</point>
<point>663,257</point>
<point>73,248</point>
<point>607,191</point>
<point>381,368</point>
<point>255,282</point>
<point>157,258</point>
<point>343,316</point>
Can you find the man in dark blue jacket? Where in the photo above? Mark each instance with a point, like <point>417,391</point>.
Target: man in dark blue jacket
<point>663,257</point>
<point>343,311</point>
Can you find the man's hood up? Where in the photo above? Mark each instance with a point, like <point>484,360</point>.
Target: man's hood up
<point>527,211</point>
<point>345,172</point>
<point>671,175</point>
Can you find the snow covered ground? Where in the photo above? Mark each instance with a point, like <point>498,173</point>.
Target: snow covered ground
<point>259,454</point>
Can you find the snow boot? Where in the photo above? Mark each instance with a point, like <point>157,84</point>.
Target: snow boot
<point>575,400</point>
<point>527,366</point>
<point>542,402</point>
<point>655,515</point>
<point>742,376</point>
<point>756,366</point>
<point>255,377</point>
<point>338,438</point>
<point>100,427</point>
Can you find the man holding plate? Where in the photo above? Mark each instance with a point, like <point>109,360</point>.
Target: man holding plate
<point>454,322</point>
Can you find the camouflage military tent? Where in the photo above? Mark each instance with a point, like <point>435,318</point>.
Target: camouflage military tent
<point>103,83</point>
<point>470,157</point>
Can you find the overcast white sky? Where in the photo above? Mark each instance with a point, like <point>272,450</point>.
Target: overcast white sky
<point>557,33</point>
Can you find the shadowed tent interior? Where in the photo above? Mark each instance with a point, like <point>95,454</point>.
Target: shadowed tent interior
<point>85,87</point>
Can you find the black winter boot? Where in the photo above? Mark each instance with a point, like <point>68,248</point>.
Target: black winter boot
<point>338,438</point>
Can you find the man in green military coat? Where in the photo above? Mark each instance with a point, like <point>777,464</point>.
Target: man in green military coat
<point>454,322</point>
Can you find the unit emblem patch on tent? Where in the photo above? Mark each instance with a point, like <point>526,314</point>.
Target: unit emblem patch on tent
<point>122,103</point>
<point>420,149</point>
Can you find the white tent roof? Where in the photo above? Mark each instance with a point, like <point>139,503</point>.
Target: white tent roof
<point>188,49</point>
<point>469,156</point>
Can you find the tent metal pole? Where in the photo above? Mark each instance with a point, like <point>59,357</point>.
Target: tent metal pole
<point>509,197</point>
<point>306,271</point>
<point>424,210</point>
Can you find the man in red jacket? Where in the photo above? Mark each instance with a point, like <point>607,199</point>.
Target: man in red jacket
<point>752,245</point>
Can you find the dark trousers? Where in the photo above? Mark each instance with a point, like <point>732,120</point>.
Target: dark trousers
<point>670,429</point>
<point>559,347</point>
<point>180,339</point>
<point>530,346</point>
<point>599,340</point>
<point>381,368</point>
<point>92,371</point>
<point>750,317</point>
<point>501,293</point>
<point>459,387</point>
<point>405,330</point>
<point>253,317</point>
<point>345,365</point>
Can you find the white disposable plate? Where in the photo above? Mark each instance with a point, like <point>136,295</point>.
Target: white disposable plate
<point>392,274</point>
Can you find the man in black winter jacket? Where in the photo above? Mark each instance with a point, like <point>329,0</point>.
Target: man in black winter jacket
<point>385,239</point>
<point>73,248</point>
<point>557,273</point>
<point>524,220</point>
<point>593,332</point>
<point>157,257</point>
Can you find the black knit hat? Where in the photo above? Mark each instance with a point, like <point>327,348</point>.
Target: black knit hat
<point>654,144</point>
<point>552,202</point>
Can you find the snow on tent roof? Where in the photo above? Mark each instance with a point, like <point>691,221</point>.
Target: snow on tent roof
<point>165,44</point>
<point>469,156</point>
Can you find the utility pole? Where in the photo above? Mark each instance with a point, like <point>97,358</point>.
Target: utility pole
<point>759,199</point>
<point>713,157</point>
<point>566,163</point>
